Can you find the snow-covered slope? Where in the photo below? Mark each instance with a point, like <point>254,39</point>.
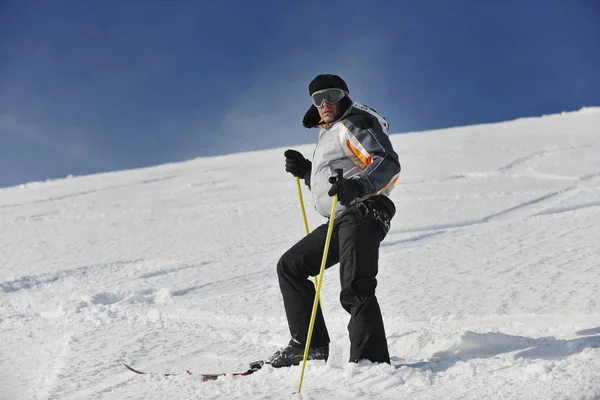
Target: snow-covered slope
<point>491,268</point>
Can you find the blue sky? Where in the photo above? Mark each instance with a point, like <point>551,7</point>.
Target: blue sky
<point>94,86</point>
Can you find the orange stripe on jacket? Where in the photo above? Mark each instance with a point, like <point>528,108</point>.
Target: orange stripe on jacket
<point>358,154</point>
<point>393,182</point>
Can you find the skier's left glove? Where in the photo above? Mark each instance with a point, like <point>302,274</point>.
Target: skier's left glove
<point>347,190</point>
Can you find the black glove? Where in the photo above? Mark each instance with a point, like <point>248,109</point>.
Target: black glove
<point>296,164</point>
<point>347,190</point>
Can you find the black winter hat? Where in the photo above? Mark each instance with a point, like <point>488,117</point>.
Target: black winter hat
<point>327,81</point>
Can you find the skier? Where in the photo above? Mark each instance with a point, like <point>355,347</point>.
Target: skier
<point>354,138</point>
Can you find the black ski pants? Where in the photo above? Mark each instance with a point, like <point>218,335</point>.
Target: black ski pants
<point>357,234</point>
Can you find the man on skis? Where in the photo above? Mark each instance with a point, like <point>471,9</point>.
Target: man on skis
<point>353,138</point>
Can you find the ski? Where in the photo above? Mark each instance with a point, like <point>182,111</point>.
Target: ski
<point>255,366</point>
<point>151,373</point>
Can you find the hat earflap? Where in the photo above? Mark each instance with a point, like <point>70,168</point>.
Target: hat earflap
<point>311,118</point>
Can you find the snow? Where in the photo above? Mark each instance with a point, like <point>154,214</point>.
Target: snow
<point>489,273</point>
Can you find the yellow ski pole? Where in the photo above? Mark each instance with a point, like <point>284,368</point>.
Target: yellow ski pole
<point>302,206</point>
<point>303,212</point>
<point>318,290</point>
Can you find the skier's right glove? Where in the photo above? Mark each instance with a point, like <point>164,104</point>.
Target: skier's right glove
<point>296,164</point>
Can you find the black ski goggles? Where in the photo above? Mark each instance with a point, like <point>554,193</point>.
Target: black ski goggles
<point>331,96</point>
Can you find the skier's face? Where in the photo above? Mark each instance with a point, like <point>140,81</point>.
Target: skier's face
<point>328,112</point>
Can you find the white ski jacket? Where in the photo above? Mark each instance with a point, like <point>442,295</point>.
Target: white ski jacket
<point>358,143</point>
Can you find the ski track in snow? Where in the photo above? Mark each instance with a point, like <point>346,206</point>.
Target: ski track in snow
<point>34,282</point>
<point>488,277</point>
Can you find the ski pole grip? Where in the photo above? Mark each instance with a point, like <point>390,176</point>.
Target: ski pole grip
<point>340,174</point>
